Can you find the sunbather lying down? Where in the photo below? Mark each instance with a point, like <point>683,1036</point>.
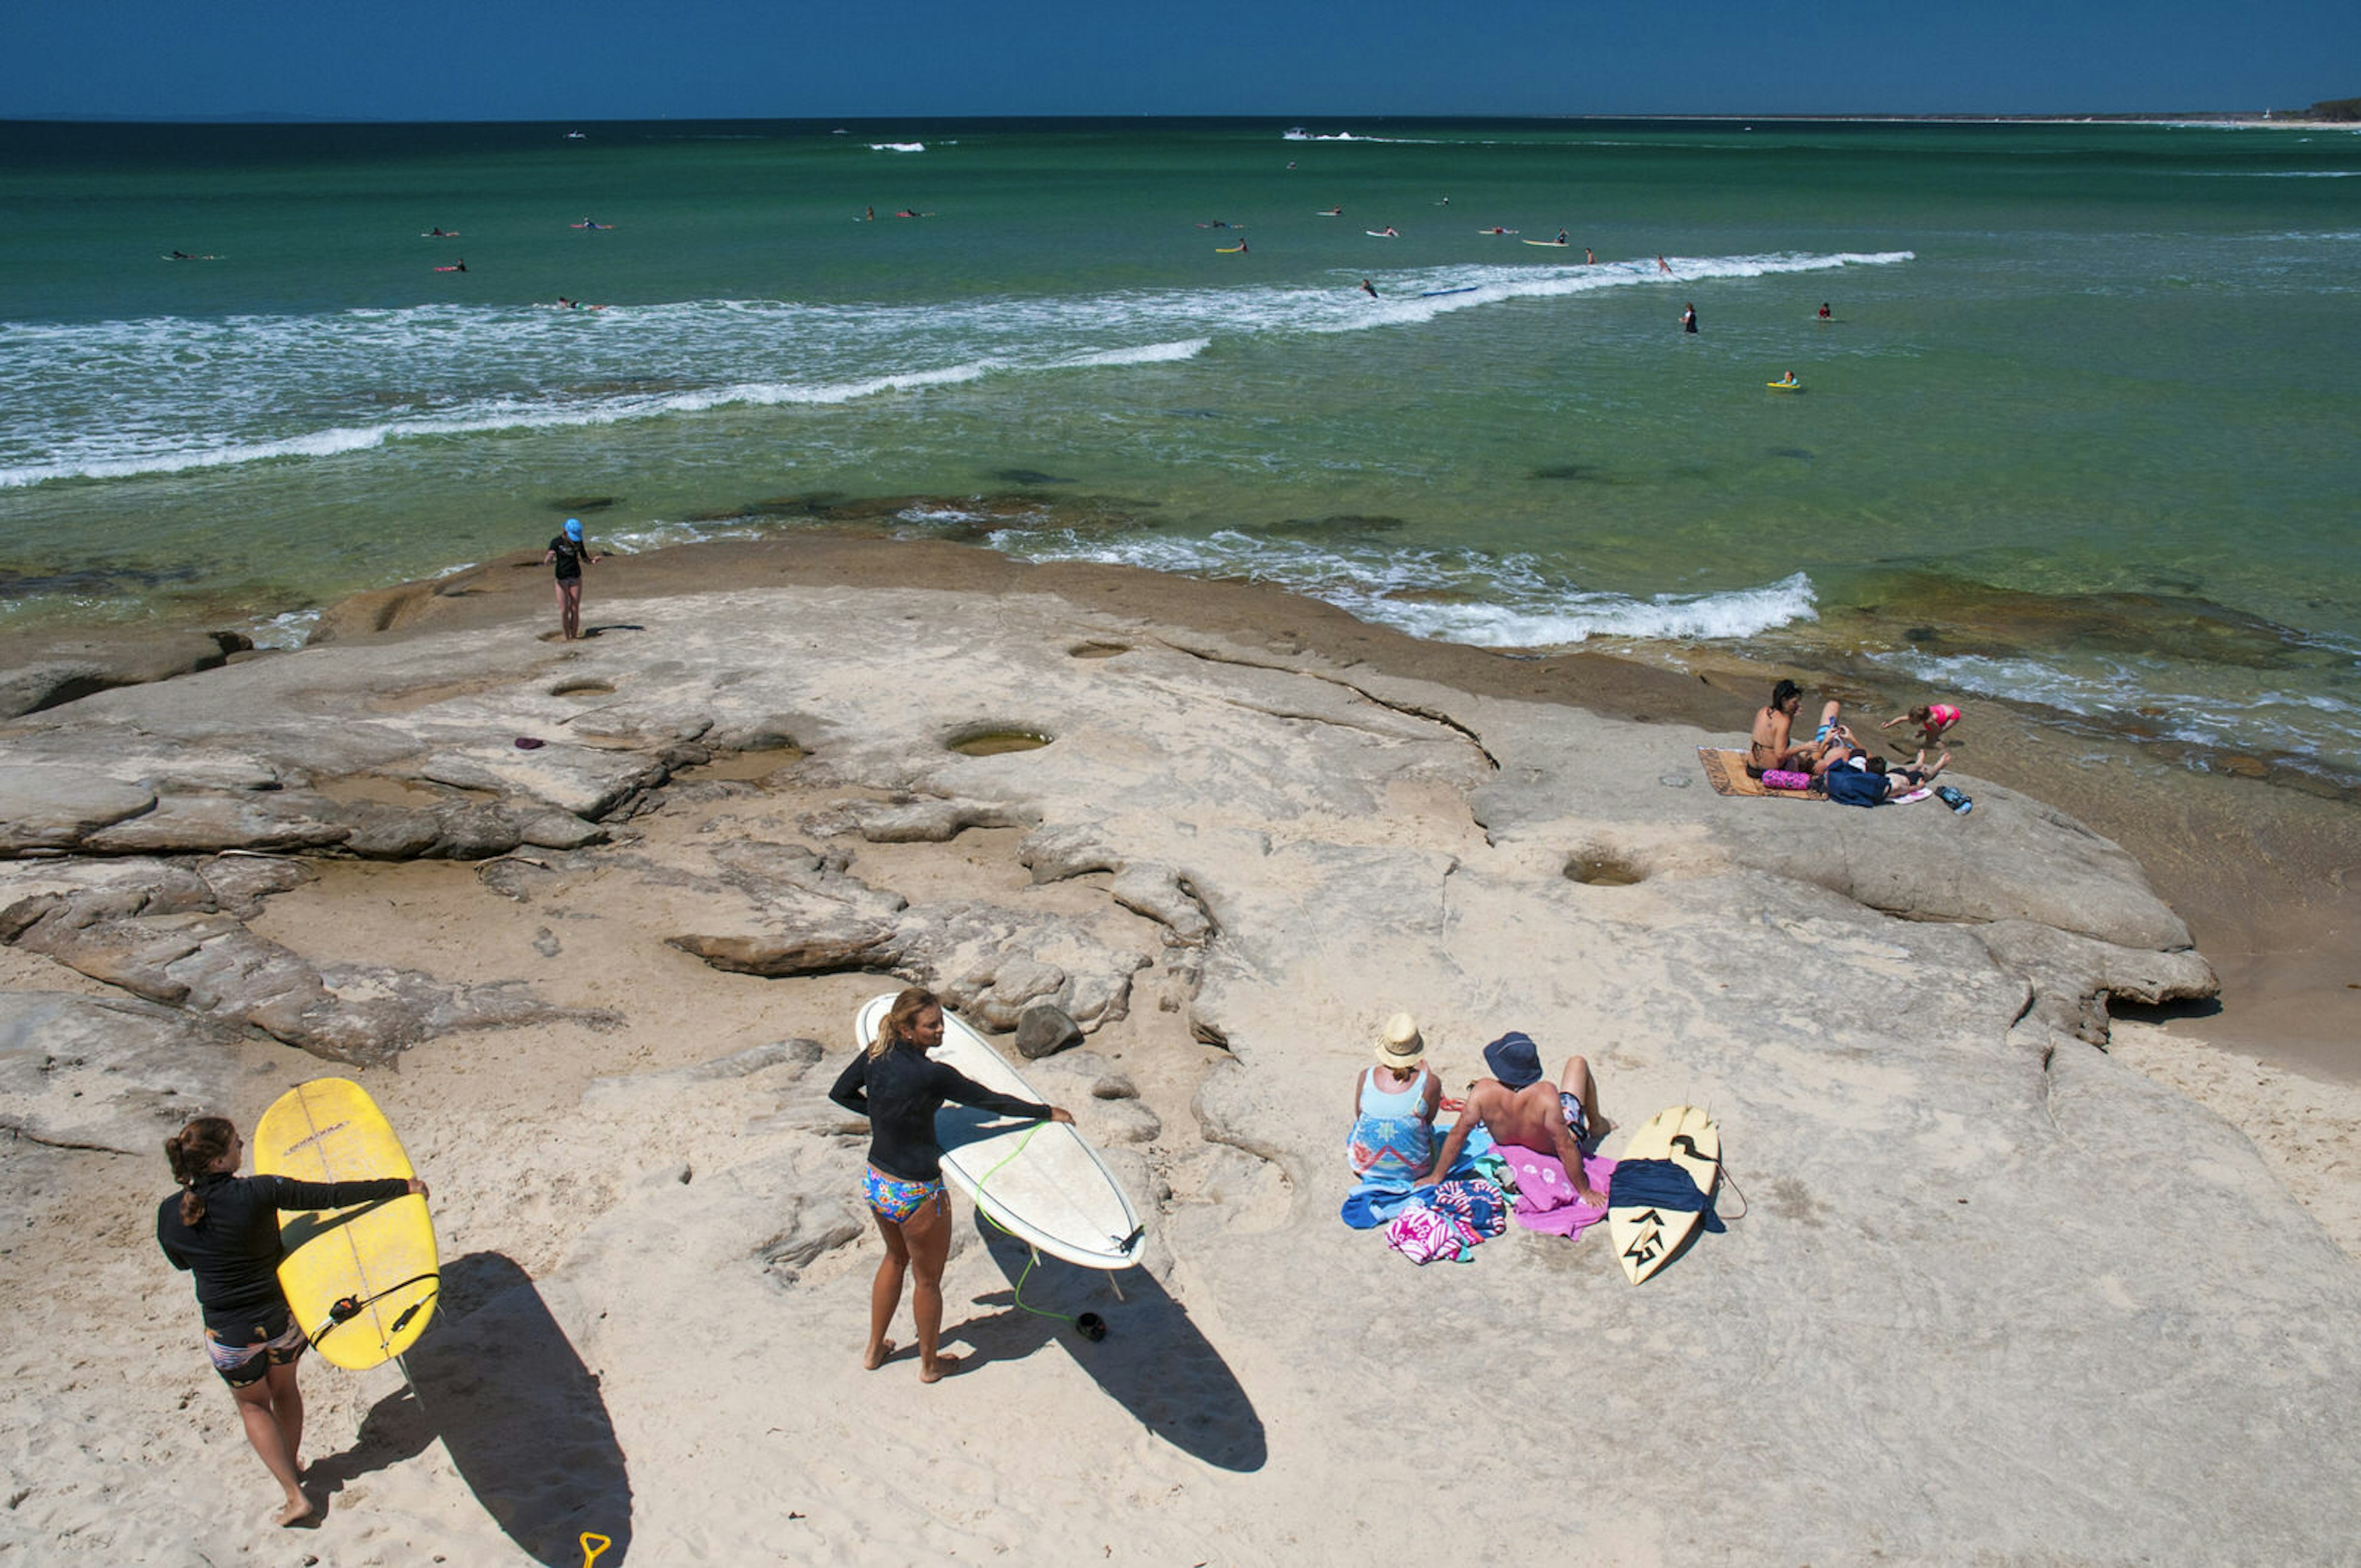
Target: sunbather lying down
<point>1517,1107</point>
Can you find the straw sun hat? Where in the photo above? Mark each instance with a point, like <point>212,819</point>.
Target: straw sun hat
<point>1400,1045</point>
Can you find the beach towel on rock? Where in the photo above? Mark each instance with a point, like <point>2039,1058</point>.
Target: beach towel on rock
<point>1475,1208</point>
<point>1422,1235</point>
<point>1546,1198</point>
<point>1374,1199</point>
<point>1378,1198</point>
<point>1726,770</point>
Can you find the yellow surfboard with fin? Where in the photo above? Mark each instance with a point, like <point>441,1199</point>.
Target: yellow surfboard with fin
<point>1644,1237</point>
<point>362,1281</point>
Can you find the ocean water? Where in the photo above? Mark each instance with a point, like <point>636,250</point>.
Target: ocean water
<point>2079,434</point>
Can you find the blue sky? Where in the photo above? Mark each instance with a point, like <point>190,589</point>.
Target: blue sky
<point>439,60</point>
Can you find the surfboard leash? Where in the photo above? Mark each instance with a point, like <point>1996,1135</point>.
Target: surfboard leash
<point>1089,1325</point>
<point>343,1310</point>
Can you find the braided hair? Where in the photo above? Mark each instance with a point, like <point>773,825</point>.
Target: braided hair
<point>193,1152</point>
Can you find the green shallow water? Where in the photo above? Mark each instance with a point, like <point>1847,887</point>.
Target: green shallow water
<point>2080,433</point>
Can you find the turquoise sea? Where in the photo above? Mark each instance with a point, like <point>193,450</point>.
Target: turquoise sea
<point>2083,431</point>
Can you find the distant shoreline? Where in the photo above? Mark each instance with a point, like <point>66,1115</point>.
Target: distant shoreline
<point>2240,118</point>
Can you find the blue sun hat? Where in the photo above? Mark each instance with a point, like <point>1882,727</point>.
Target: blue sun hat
<point>1514,1059</point>
<point>574,528</point>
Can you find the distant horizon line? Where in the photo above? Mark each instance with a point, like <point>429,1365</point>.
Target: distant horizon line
<point>276,117</point>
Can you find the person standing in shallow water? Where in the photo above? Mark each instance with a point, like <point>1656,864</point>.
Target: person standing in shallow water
<point>899,1088</point>
<point>223,1228</point>
<point>569,555</point>
<point>1688,318</point>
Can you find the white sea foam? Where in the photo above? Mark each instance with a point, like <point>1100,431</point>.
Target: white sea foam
<point>2219,710</point>
<point>165,395</point>
<point>288,631</point>
<point>1447,595</point>
<point>897,147</point>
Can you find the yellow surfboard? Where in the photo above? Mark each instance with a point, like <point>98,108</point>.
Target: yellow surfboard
<point>362,1281</point>
<point>1644,1237</point>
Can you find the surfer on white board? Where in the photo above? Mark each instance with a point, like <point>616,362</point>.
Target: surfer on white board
<point>224,1229</point>
<point>899,1088</point>
<point>1517,1107</point>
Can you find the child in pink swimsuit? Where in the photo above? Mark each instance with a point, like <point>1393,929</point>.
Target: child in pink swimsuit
<point>1932,717</point>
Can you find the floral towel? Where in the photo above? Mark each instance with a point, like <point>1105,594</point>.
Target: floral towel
<point>1545,1199</point>
<point>1423,1236</point>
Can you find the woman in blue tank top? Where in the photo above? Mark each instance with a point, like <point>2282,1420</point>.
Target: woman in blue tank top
<point>1393,1107</point>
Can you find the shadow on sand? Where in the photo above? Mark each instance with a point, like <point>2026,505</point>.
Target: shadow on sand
<point>498,1382</point>
<point>1153,1361</point>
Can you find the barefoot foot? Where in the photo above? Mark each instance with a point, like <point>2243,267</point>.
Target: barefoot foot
<point>943,1365</point>
<point>879,1354</point>
<point>297,1511</point>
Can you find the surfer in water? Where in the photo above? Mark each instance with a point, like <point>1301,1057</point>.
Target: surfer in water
<point>569,555</point>
<point>1588,258</point>
<point>224,1229</point>
<point>899,1088</point>
<point>1517,1107</point>
<point>1369,287</point>
<point>1688,318</point>
<point>1824,310</point>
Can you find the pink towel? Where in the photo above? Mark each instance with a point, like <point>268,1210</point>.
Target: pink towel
<point>1545,1200</point>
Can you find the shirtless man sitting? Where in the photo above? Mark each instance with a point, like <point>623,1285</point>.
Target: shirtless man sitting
<point>1516,1107</point>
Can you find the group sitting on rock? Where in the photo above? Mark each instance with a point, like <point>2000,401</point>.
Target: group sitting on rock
<point>1393,1145</point>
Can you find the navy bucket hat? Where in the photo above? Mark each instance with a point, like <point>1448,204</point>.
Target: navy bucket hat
<point>1514,1059</point>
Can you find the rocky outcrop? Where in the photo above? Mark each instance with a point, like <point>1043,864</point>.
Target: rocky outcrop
<point>47,674</point>
<point>107,1072</point>
<point>173,945</point>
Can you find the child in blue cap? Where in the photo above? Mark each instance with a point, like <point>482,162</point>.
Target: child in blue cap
<point>570,555</point>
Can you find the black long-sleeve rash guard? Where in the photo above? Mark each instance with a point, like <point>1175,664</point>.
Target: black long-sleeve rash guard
<point>233,1250</point>
<point>900,1092</point>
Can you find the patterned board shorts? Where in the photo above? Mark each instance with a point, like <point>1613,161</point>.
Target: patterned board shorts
<point>276,1340</point>
<point>1577,1122</point>
<point>895,1199</point>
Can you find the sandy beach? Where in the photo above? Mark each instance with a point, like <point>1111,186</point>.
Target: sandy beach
<point>2007,1251</point>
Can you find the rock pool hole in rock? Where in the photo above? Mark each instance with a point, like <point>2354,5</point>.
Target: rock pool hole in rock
<point>744,767</point>
<point>998,740</point>
<point>1600,868</point>
<point>584,686</point>
<point>1097,650</point>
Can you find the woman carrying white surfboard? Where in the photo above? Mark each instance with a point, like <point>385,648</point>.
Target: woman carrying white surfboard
<point>223,1228</point>
<point>899,1088</point>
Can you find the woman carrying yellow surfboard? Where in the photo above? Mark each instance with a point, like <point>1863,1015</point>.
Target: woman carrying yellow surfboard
<point>223,1228</point>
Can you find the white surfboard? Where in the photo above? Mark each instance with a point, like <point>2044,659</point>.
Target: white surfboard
<point>1049,1190</point>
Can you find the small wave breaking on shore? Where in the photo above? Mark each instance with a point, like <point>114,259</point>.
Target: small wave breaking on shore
<point>115,400</point>
<point>1447,595</point>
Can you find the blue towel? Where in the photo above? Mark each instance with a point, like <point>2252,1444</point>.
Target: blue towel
<point>1660,1184</point>
<point>1374,1199</point>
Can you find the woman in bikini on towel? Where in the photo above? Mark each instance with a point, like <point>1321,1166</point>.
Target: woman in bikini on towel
<point>1773,730</point>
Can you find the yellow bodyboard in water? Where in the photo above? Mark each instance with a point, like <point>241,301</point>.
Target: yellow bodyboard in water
<point>379,1255</point>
